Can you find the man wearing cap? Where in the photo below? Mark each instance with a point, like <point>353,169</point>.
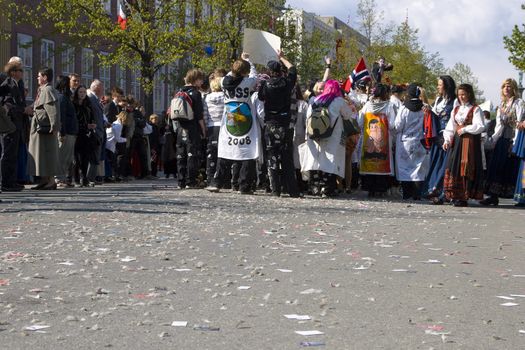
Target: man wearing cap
<point>276,95</point>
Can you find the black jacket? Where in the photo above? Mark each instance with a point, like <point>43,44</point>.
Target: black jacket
<point>276,94</point>
<point>68,118</point>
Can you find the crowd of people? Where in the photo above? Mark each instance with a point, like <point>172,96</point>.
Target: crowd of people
<point>247,131</point>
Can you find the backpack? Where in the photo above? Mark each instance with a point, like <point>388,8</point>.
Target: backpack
<point>181,107</point>
<point>318,125</point>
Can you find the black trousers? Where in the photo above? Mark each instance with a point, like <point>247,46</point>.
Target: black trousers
<point>211,152</point>
<point>138,145</point>
<point>279,154</point>
<point>247,173</point>
<point>10,158</point>
<point>122,160</point>
<point>187,148</point>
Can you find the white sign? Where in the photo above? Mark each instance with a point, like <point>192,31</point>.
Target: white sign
<point>262,46</point>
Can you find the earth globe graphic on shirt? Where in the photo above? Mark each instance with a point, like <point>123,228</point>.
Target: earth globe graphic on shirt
<point>238,118</point>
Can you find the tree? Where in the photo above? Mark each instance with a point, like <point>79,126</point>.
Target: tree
<point>462,74</point>
<point>347,55</point>
<point>411,62</point>
<point>158,33</point>
<point>515,44</point>
<point>222,31</point>
<point>371,23</point>
<point>306,50</point>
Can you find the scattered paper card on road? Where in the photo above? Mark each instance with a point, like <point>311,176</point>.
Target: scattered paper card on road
<point>243,287</point>
<point>504,297</point>
<point>307,333</point>
<point>179,323</point>
<point>182,270</point>
<point>284,270</point>
<point>298,317</point>
<point>36,327</point>
<point>128,259</point>
<point>509,304</point>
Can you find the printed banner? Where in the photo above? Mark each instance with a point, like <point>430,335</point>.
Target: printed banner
<point>376,149</point>
<point>239,134</point>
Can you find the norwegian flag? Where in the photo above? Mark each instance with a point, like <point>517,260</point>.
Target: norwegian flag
<point>360,72</point>
<point>121,17</point>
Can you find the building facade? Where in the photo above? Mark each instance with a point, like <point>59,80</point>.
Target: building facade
<point>40,50</point>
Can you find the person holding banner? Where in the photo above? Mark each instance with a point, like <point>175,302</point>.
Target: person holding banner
<point>376,120</point>
<point>276,94</point>
<point>239,134</point>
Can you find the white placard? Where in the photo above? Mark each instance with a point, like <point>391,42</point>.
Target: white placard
<point>262,46</point>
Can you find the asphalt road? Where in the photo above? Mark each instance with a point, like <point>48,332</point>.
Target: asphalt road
<point>115,267</point>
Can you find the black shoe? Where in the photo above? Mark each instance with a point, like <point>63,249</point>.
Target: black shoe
<point>436,201</point>
<point>12,189</point>
<point>489,201</point>
<point>460,203</point>
<point>519,205</point>
<point>246,192</point>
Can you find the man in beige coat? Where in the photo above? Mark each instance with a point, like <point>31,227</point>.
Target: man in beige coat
<point>43,141</point>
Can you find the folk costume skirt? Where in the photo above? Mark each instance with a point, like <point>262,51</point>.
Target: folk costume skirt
<point>464,171</point>
<point>502,170</point>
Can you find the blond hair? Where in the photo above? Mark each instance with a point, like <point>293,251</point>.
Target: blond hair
<point>123,117</point>
<point>215,84</point>
<point>514,88</point>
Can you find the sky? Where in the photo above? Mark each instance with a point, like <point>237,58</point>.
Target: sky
<point>466,31</point>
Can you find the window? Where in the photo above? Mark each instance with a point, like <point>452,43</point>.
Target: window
<point>206,9</point>
<point>105,73</point>
<point>68,60</point>
<point>47,54</point>
<point>107,5</point>
<point>189,13</point>
<point>135,84</point>
<point>158,91</point>
<point>121,79</point>
<point>87,67</point>
<point>25,52</point>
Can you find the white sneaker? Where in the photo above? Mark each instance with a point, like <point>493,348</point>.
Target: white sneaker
<point>212,189</point>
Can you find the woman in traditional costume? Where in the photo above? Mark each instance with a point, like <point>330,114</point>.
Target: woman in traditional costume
<point>441,110</point>
<point>503,168</point>
<point>464,170</point>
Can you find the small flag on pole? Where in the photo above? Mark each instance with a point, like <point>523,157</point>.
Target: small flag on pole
<point>360,72</point>
<point>121,17</point>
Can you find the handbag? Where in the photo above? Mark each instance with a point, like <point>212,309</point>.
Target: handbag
<point>43,129</point>
<point>6,124</point>
<point>350,127</point>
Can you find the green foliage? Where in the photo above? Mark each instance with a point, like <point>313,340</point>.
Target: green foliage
<point>411,62</point>
<point>348,54</point>
<point>304,49</point>
<point>223,29</point>
<point>515,44</point>
<point>462,74</point>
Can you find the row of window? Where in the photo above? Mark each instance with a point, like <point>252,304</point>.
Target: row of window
<point>67,59</point>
